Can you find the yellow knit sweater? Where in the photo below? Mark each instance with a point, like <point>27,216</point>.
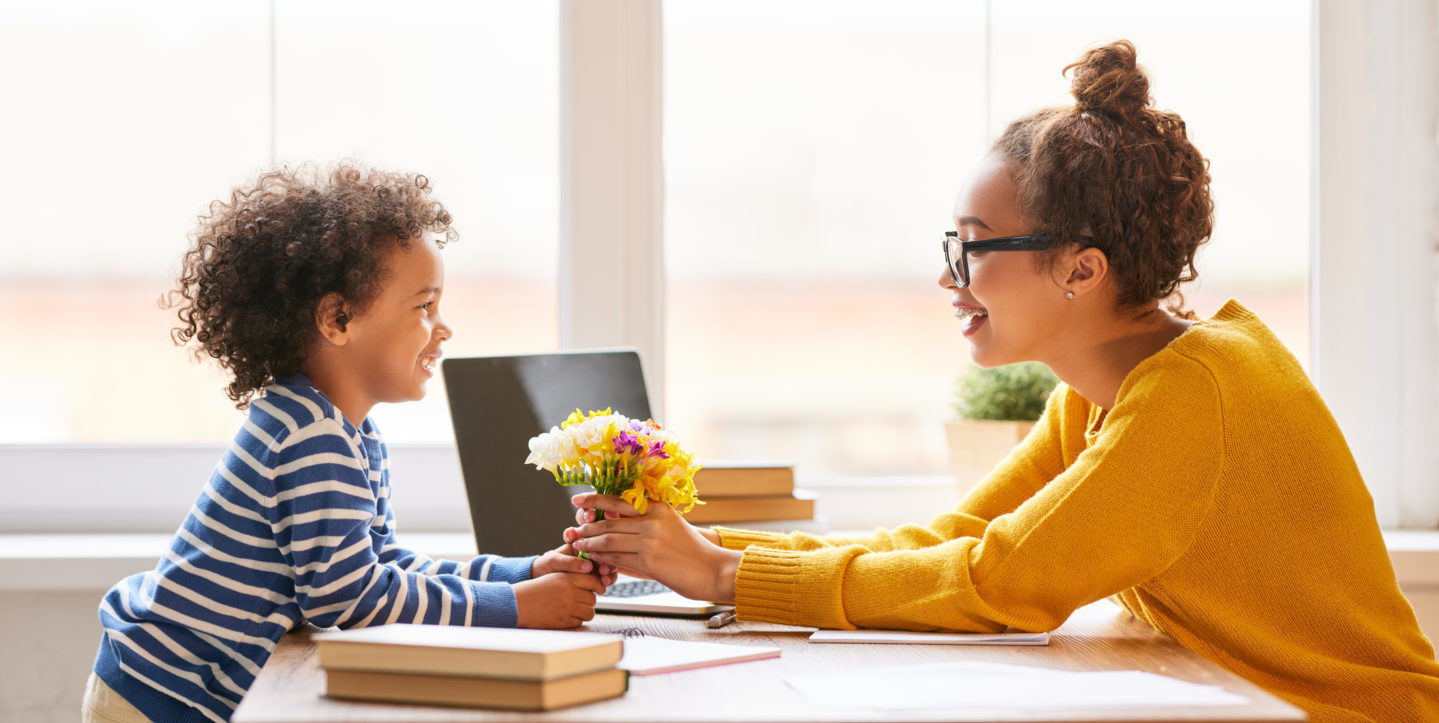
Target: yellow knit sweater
<point>1216,501</point>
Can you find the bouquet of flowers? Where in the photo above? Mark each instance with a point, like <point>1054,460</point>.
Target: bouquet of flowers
<point>617,455</point>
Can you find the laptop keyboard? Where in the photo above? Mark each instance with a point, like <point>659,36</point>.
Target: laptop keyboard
<point>635,588</point>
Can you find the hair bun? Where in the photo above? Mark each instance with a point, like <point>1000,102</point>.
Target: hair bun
<point>1107,78</point>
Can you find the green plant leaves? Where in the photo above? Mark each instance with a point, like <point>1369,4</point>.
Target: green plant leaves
<point>1014,392</point>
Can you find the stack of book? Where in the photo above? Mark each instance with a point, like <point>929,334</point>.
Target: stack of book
<point>749,492</point>
<point>473,667</point>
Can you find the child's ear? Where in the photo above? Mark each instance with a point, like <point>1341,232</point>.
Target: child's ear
<point>332,319</point>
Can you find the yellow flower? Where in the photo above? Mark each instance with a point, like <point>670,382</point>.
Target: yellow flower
<point>616,455</point>
<point>637,496</point>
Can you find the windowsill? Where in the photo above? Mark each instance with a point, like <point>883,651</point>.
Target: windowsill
<point>79,562</point>
<point>92,563</point>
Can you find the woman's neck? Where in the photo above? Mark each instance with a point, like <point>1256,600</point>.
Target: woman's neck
<point>1112,350</point>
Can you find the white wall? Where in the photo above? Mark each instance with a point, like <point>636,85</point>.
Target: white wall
<point>50,641</point>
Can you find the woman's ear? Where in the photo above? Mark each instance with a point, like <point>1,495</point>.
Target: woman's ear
<point>332,319</point>
<point>1088,268</point>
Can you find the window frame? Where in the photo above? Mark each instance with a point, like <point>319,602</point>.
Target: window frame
<point>1375,178</point>
<point>1371,284</point>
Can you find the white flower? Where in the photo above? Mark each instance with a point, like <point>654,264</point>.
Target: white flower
<point>551,449</point>
<point>590,434</point>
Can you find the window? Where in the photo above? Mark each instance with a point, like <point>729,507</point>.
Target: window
<point>785,186</point>
<point>810,173</point>
<point>807,178</point>
<point>143,112</point>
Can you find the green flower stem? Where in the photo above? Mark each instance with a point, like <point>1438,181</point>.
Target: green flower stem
<point>610,477</point>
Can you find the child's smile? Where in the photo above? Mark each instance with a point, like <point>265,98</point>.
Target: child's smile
<point>389,351</point>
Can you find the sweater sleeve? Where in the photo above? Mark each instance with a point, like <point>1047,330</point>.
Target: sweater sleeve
<point>1036,460</point>
<point>348,571</point>
<point>481,568</point>
<point>1119,515</point>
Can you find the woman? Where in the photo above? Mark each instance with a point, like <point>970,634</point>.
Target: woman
<point>1186,469</point>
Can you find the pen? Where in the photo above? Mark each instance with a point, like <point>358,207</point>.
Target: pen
<point>719,620</point>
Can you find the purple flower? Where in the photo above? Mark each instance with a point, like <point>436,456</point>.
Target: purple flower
<point>656,449</point>
<point>626,442</point>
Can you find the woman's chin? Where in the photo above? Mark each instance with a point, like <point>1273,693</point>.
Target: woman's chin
<point>985,357</point>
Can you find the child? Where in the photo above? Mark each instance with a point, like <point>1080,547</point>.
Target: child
<point>319,292</point>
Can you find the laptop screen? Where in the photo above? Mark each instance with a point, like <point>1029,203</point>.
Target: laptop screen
<point>497,404</point>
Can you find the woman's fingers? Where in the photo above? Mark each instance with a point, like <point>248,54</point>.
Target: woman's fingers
<point>608,541</point>
<point>604,503</point>
<point>613,558</point>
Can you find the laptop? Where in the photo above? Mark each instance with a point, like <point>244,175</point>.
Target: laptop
<point>497,403</point>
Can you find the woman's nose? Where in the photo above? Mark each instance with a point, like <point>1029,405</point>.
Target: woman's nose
<point>946,279</point>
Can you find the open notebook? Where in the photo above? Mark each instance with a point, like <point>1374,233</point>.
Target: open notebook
<point>497,403</point>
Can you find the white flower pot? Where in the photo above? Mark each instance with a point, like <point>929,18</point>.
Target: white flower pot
<point>977,445</point>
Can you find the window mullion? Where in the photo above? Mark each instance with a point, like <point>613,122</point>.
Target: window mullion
<point>611,282</point>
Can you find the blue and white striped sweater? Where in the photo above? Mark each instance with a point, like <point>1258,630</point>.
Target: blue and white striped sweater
<point>294,526</point>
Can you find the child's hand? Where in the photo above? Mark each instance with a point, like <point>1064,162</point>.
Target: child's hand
<point>562,559</point>
<point>560,600</point>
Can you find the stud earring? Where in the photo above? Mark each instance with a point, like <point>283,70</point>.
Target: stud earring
<point>1069,295</point>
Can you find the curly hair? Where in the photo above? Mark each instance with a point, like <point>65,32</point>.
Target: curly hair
<point>260,262</point>
<point>1112,172</point>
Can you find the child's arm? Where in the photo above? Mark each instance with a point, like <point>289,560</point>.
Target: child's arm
<point>324,524</point>
<point>483,568</point>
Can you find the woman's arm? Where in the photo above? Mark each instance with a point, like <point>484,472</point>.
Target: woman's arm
<point>1119,515</point>
<point>1036,460</point>
<point>1124,511</point>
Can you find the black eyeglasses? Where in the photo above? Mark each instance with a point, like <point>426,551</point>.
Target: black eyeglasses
<point>956,252</point>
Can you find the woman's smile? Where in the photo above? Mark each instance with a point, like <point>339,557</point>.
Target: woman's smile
<point>970,317</point>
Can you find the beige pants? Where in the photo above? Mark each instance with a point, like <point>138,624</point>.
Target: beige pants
<point>103,705</point>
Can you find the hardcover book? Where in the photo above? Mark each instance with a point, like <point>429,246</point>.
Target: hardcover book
<point>465,651</point>
<point>429,689</point>
<point>744,479</point>
<point>797,506</point>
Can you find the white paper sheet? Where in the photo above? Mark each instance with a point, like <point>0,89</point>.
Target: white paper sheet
<point>648,655</point>
<point>991,685</point>
<point>905,637</point>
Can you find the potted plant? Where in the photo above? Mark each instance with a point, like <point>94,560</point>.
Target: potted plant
<point>995,409</point>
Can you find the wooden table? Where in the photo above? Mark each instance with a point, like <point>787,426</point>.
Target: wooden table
<point>1098,637</point>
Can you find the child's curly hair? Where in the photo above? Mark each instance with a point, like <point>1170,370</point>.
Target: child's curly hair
<point>1113,172</point>
<point>260,262</point>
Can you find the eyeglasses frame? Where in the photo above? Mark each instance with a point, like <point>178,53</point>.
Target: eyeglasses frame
<point>960,271</point>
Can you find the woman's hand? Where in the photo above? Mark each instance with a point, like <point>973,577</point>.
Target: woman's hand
<point>586,514</point>
<point>659,545</point>
<point>562,559</point>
